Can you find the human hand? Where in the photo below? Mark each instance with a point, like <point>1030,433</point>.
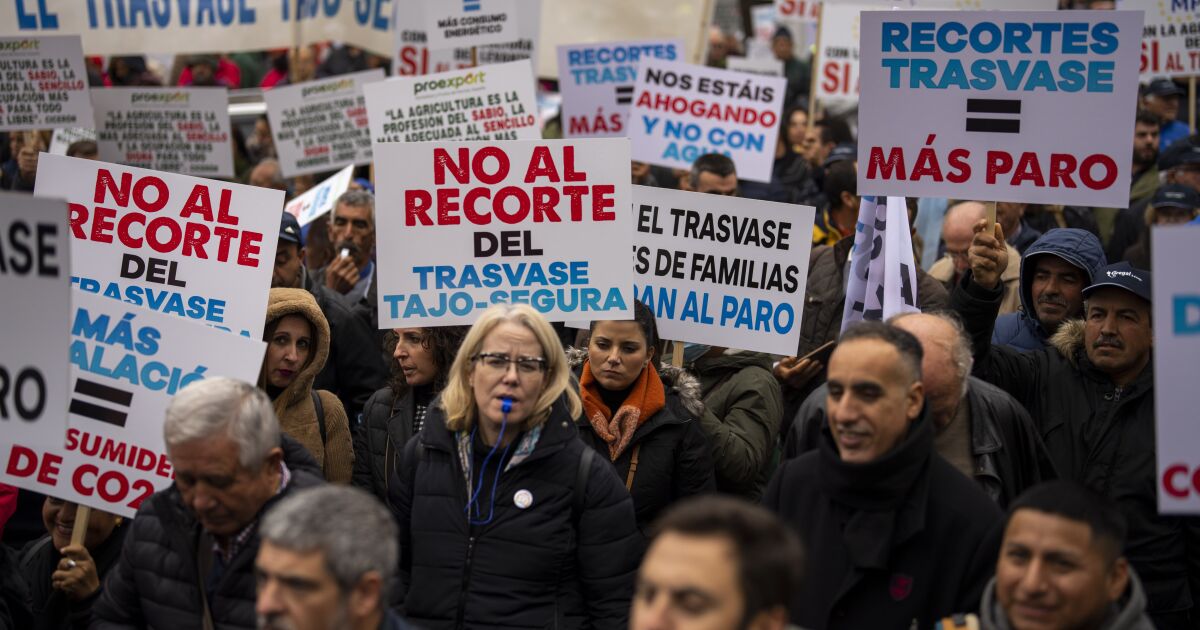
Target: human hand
<point>796,373</point>
<point>76,573</point>
<point>342,274</point>
<point>988,255</point>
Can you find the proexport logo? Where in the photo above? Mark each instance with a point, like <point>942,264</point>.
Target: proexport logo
<point>466,80</point>
<point>160,98</point>
<point>1185,314</point>
<point>328,88</point>
<point>19,45</point>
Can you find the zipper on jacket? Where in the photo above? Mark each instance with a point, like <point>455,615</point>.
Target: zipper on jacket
<point>466,581</point>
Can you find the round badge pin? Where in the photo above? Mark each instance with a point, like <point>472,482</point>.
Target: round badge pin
<point>523,499</point>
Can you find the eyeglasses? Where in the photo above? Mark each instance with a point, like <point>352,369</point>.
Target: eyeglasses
<point>498,363</point>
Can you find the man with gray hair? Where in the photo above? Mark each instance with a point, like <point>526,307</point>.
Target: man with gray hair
<point>978,428</point>
<point>351,274</point>
<point>327,560</point>
<point>188,560</point>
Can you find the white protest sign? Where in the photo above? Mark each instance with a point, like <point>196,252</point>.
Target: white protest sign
<point>768,66</point>
<point>682,111</point>
<point>596,82</point>
<point>722,271</point>
<point>1175,254</point>
<point>488,103</point>
<point>64,138</point>
<point>318,200</point>
<point>883,276</point>
<point>529,22</point>
<point>798,10</point>
<point>179,130</point>
<point>411,56</point>
<point>1035,107</point>
<point>546,223</point>
<point>35,278</point>
<point>137,27</point>
<point>466,23</point>
<point>1170,37</point>
<point>196,248</point>
<point>320,125</point>
<point>43,83</point>
<point>126,363</point>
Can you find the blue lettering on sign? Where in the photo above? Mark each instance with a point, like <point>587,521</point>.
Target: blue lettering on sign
<point>27,21</point>
<point>1186,6</point>
<point>1185,311</point>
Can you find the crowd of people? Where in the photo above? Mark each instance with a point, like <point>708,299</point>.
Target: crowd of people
<point>988,462</point>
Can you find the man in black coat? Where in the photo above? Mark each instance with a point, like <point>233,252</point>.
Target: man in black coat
<point>978,428</point>
<point>1091,396</point>
<point>355,368</point>
<point>896,537</point>
<point>189,554</point>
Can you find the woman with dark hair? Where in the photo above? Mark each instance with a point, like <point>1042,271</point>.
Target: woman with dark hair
<point>642,417</point>
<point>421,360</point>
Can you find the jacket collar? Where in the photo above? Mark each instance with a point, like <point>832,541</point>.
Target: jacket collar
<point>1127,614</point>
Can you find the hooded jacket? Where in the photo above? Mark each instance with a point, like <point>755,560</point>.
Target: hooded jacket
<point>541,566</point>
<point>743,406</point>
<point>1022,330</point>
<point>1128,614</point>
<point>674,459</point>
<point>905,538</point>
<point>154,582</point>
<point>1097,434</point>
<point>295,407</point>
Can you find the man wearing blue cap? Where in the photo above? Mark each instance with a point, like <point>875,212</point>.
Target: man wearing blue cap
<point>1091,395</point>
<point>1162,97</point>
<point>1174,204</point>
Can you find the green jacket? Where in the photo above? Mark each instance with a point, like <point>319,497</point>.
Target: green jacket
<point>743,407</point>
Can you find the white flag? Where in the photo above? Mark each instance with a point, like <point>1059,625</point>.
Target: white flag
<point>883,277</point>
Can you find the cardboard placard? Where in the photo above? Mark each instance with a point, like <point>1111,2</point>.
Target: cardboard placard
<point>411,55</point>
<point>35,277</point>
<point>596,83</point>
<point>466,23</point>
<point>64,138</point>
<point>995,115</point>
<point>321,125</point>
<point>766,66</point>
<point>43,83</point>
<point>682,111</point>
<point>722,271</point>
<point>1169,38</point>
<point>538,222</point>
<point>798,10</point>
<point>488,103</point>
<point>179,130</point>
<point>126,363</point>
<point>317,201</point>
<point>195,248</point>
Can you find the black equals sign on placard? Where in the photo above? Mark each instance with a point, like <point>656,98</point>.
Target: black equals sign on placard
<point>624,94</point>
<point>98,391</point>
<point>994,106</point>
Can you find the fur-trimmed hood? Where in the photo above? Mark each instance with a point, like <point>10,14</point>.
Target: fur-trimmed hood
<point>1068,340</point>
<point>676,379</point>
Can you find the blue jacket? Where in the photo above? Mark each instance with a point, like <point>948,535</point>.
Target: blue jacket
<point>1022,330</point>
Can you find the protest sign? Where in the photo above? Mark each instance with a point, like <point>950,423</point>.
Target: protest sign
<point>546,222</point>
<point>466,23</point>
<point>798,10</point>
<point>319,200</point>
<point>596,83</point>
<point>179,130</point>
<point>413,57</point>
<point>35,279</point>
<point>1176,257</point>
<point>196,248</point>
<point>43,83</point>
<point>134,27</point>
<point>682,111</point>
<point>883,276</point>
<point>1170,42</point>
<point>320,125</point>
<point>126,363</point>
<point>767,66</point>
<point>722,271</point>
<point>489,103</point>
<point>1037,107</point>
<point>64,138</point>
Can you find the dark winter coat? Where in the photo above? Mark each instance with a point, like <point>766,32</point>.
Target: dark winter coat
<point>154,583</point>
<point>52,609</point>
<point>1022,330</point>
<point>1008,452</point>
<point>387,425</point>
<point>674,458</point>
<point>1097,434</point>
<point>544,566</point>
<point>905,537</point>
<point>355,368</point>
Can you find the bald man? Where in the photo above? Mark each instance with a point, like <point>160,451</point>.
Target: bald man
<point>957,232</point>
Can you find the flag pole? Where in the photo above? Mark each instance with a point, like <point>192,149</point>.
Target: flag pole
<point>1192,104</point>
<point>816,56</point>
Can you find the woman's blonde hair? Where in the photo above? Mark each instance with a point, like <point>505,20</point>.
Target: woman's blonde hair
<point>458,399</point>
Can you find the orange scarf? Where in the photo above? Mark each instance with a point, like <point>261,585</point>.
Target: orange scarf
<point>646,398</point>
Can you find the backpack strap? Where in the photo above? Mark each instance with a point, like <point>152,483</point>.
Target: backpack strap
<point>26,559</point>
<point>316,398</point>
<point>581,481</point>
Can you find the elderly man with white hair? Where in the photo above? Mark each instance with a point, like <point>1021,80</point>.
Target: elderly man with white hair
<point>188,561</point>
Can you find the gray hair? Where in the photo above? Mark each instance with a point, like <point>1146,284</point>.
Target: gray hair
<point>224,405</point>
<point>357,199</point>
<point>277,180</point>
<point>960,349</point>
<point>349,526</point>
